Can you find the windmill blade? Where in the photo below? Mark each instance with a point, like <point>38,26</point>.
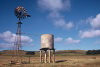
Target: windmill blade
<point>21,13</point>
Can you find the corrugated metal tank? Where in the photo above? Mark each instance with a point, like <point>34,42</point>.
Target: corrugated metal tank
<point>47,41</point>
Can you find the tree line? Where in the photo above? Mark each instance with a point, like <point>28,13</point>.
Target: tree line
<point>93,52</point>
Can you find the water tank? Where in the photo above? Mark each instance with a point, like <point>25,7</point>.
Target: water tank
<point>47,41</point>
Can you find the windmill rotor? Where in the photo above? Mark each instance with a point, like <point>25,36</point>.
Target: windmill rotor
<point>21,13</point>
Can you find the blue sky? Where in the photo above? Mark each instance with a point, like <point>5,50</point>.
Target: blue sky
<point>74,23</point>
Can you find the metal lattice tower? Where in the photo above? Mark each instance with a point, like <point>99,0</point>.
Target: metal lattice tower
<point>20,13</point>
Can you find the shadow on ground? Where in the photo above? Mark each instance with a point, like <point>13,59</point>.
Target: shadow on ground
<point>58,61</point>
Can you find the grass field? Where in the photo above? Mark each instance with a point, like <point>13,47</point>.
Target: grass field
<point>61,61</point>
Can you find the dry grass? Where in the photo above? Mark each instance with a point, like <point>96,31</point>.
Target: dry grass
<point>61,61</point>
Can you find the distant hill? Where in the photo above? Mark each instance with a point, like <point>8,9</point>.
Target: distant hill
<point>36,53</point>
<point>71,52</point>
<point>12,52</point>
<point>57,53</point>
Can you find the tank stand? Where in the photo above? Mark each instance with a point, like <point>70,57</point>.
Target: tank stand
<point>47,52</point>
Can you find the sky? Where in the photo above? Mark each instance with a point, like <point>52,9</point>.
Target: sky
<point>75,24</point>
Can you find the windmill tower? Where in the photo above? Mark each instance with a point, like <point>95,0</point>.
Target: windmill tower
<point>20,13</point>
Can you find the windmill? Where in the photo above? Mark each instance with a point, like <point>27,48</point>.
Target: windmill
<point>20,13</point>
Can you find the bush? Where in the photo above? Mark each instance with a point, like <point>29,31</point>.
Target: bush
<point>93,52</point>
<point>30,53</point>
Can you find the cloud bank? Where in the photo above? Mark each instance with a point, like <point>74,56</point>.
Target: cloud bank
<point>68,40</point>
<point>72,41</point>
<point>9,39</point>
<point>94,31</point>
<point>89,33</point>
<point>55,7</point>
<point>95,22</point>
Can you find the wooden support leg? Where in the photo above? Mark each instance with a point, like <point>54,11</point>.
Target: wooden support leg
<point>49,56</point>
<point>53,56</point>
<point>40,56</point>
<point>45,57</point>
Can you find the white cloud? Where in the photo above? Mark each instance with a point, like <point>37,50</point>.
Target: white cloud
<point>95,22</point>
<point>72,41</point>
<point>55,15</point>
<point>9,39</point>
<point>55,7</point>
<point>5,45</point>
<point>26,39</point>
<point>62,23</point>
<point>94,31</point>
<point>69,25</point>
<point>58,39</point>
<point>68,40</point>
<point>89,33</point>
<point>7,36</point>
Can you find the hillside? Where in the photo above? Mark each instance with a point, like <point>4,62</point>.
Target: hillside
<point>36,53</point>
